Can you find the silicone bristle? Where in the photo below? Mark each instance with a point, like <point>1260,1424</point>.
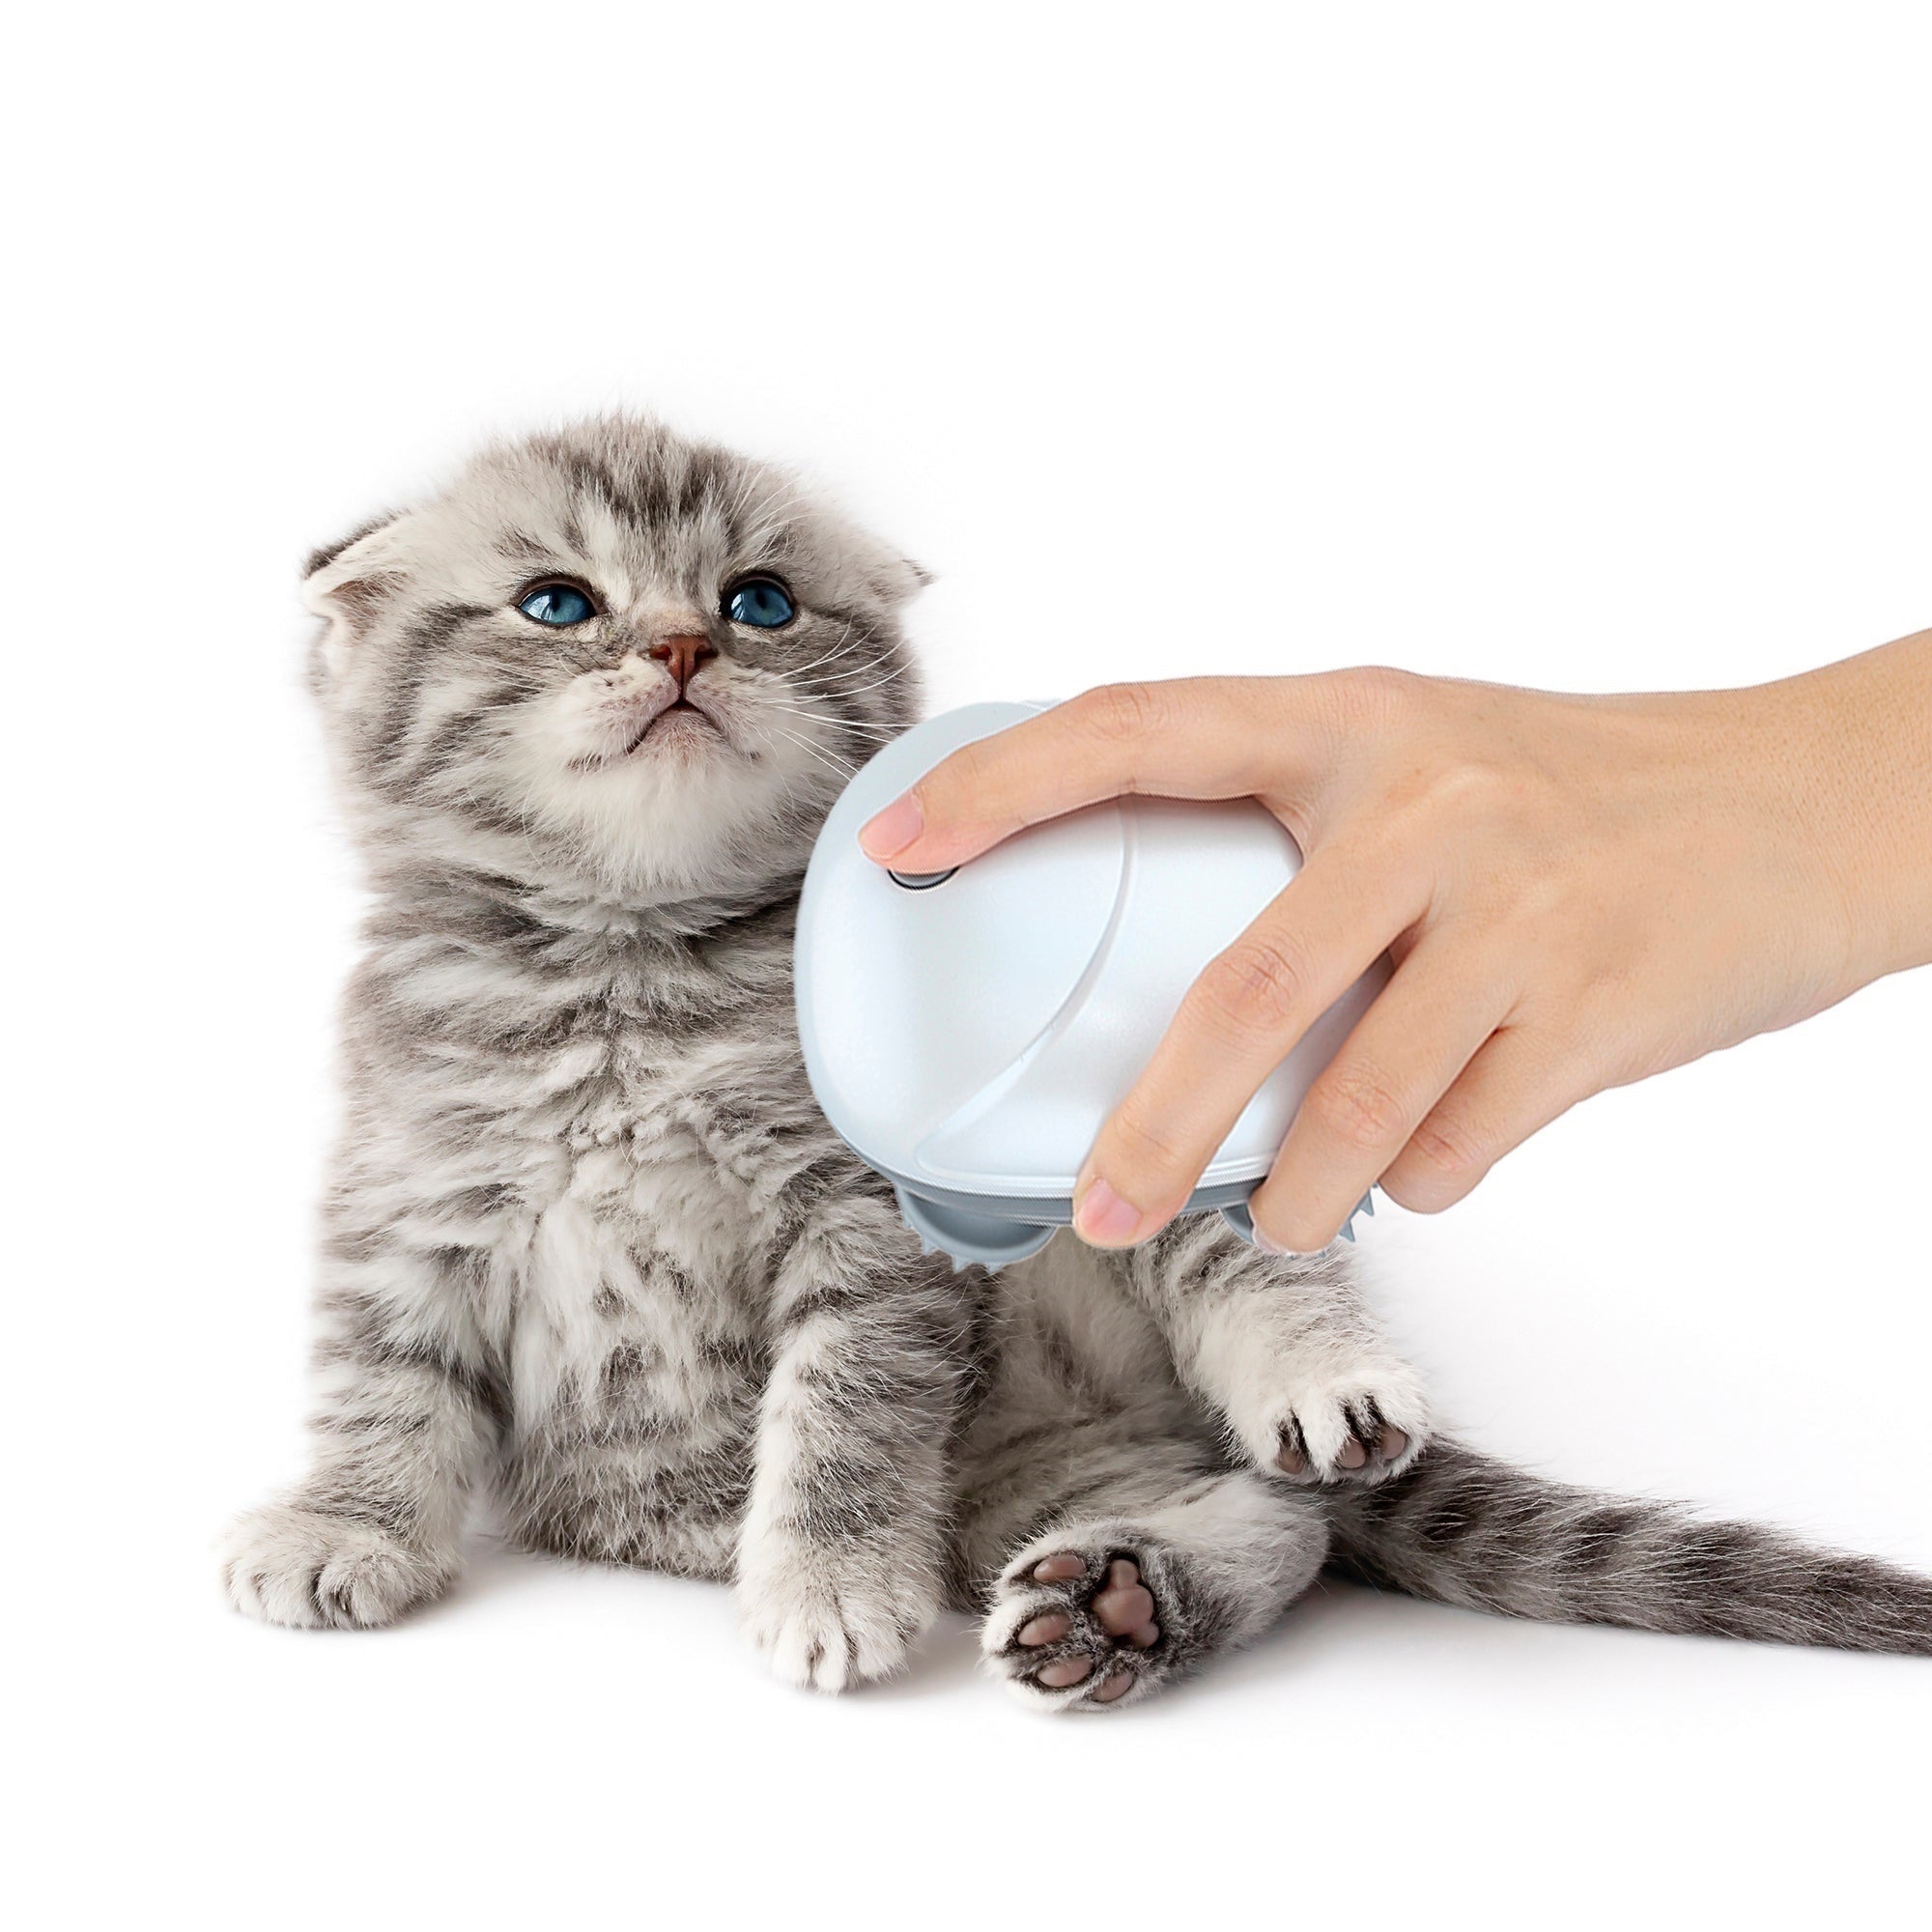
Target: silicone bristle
<point>1365,1205</point>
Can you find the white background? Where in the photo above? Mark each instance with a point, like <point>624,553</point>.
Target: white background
<point>1579,346</point>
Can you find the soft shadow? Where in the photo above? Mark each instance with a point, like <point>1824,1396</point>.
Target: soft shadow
<point>944,1661</point>
<point>489,1569</point>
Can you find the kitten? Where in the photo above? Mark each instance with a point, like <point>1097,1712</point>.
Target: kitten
<point>588,1242</point>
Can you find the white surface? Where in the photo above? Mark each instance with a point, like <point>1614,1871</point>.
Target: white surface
<point>1585,347</point>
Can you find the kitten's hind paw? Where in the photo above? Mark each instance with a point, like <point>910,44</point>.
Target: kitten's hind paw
<point>1080,1627</point>
<point>312,1569</point>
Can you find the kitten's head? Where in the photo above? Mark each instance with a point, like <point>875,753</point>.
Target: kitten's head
<point>611,661</point>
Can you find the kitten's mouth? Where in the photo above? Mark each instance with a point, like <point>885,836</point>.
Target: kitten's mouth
<point>681,718</point>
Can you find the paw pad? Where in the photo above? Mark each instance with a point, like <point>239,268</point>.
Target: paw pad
<point>1089,1623</point>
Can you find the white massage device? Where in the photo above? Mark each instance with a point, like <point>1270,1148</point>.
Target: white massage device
<point>967,1033</point>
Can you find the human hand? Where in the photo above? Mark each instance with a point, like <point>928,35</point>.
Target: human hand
<point>1577,892</point>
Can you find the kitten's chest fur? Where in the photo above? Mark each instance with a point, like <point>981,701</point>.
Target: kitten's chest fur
<point>646,1266</point>
<point>642,1152</point>
<point>637,1344</point>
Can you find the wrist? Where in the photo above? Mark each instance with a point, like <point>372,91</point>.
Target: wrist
<point>1859,739</point>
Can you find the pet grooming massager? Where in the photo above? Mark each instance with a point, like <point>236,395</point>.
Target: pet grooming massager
<point>967,1033</point>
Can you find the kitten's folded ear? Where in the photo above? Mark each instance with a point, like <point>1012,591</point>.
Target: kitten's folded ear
<point>893,579</point>
<point>909,580</point>
<point>348,582</point>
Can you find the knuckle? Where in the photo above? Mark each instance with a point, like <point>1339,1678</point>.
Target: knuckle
<point>1255,987</point>
<point>1448,1148</point>
<point>1421,1192</point>
<point>1374,697</point>
<point>1479,791</point>
<point>1360,1107</point>
<point>961,774</point>
<point>1121,714</point>
<point>1137,1149</point>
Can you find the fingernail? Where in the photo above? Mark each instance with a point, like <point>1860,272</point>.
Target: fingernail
<point>1102,1216</point>
<point>1268,1247</point>
<point>894,829</point>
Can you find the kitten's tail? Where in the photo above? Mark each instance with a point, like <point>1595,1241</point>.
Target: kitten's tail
<point>1459,1529</point>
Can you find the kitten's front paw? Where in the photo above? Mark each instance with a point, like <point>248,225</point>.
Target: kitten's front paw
<point>830,1619</point>
<point>287,1563</point>
<point>1354,1421</point>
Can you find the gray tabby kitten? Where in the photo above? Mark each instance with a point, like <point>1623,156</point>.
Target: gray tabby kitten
<point>588,1242</point>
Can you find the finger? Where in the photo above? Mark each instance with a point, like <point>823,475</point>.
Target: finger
<point>1238,1021</point>
<point>1404,1053</point>
<point>1197,737</point>
<point>1512,1087</point>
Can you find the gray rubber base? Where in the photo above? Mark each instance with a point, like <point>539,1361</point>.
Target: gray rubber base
<point>995,1232</point>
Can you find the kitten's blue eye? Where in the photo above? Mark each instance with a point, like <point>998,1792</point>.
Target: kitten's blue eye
<point>762,602</point>
<point>556,604</point>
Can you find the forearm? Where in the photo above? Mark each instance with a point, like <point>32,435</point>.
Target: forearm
<point>841,1554</point>
<point>1864,727</point>
<point>870,1347</point>
<point>407,1403</point>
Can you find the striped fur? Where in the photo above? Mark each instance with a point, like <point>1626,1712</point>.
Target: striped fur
<point>589,1246</point>
<point>1463,1530</point>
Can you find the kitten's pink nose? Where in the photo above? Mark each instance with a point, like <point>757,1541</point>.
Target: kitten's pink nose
<point>681,655</point>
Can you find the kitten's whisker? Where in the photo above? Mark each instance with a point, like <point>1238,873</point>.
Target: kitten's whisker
<point>824,752</point>
<point>824,657</point>
<point>861,670</point>
<point>843,689</point>
<point>836,767</point>
<point>811,703</point>
<point>832,718</point>
<point>845,674</point>
<point>791,735</point>
<point>797,670</point>
<point>792,672</point>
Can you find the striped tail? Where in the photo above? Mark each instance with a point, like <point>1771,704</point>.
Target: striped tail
<point>1459,1528</point>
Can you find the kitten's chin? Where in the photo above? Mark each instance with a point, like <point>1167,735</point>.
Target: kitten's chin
<point>678,808</point>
